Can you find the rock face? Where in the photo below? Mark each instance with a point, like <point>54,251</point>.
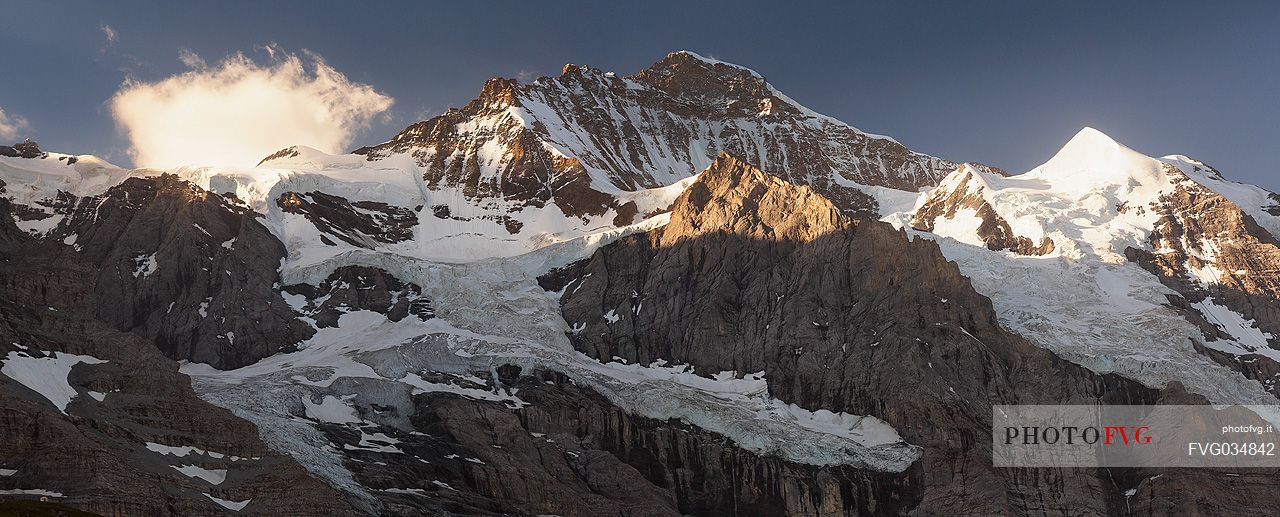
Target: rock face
<point>24,149</point>
<point>177,265</point>
<point>362,288</point>
<point>1214,254</point>
<point>359,223</point>
<point>642,466</point>
<point>184,269</point>
<point>754,274</point>
<point>567,451</point>
<point>576,139</point>
<point>114,438</point>
<point>961,194</point>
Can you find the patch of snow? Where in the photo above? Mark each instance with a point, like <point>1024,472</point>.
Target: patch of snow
<point>234,506</point>
<point>1246,337</point>
<point>40,227</point>
<point>331,410</point>
<point>657,199</point>
<point>963,227</point>
<point>144,265</point>
<point>182,451</point>
<point>422,386</point>
<point>46,375</point>
<point>43,178</point>
<point>751,391</point>
<point>213,477</point>
<point>410,491</point>
<point>375,442</point>
<point>31,491</point>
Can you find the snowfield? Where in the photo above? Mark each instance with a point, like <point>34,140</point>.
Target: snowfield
<point>470,233</point>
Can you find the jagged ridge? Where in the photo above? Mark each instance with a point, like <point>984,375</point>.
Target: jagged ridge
<point>578,138</point>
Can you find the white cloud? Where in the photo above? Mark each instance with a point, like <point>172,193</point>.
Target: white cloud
<point>238,111</point>
<point>191,59</point>
<point>110,33</point>
<point>11,125</point>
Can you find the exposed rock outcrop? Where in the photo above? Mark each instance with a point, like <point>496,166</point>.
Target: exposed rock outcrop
<point>569,452</point>
<point>360,223</point>
<point>352,288</point>
<point>1214,254</point>
<point>24,149</point>
<point>964,192</point>
<point>180,267</point>
<point>288,152</point>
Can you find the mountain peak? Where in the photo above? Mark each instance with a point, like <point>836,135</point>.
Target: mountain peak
<point>688,75</point>
<point>651,129</point>
<point>1092,158</point>
<point>1089,139</point>
<point>734,196</point>
<point>689,55</point>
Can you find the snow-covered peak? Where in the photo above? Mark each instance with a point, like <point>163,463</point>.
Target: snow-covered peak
<point>32,179</point>
<point>1089,137</point>
<point>1076,200</point>
<point>1091,160</point>
<point>587,139</point>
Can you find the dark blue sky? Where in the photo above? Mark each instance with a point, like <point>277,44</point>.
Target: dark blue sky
<point>1004,83</point>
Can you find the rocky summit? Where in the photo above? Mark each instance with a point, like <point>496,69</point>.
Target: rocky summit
<point>675,292</point>
<point>575,139</point>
